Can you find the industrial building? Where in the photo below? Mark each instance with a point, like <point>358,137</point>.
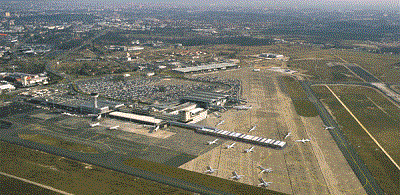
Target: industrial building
<point>206,99</point>
<point>206,68</point>
<point>77,104</point>
<point>26,80</point>
<point>186,112</point>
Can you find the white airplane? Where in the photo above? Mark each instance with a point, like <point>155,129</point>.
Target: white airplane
<point>289,134</point>
<point>264,170</point>
<point>210,170</point>
<point>242,107</point>
<point>95,124</point>
<point>263,183</point>
<point>231,146</point>
<point>303,140</point>
<point>249,150</point>
<point>253,128</point>
<point>220,123</point>
<point>236,176</point>
<point>329,127</point>
<point>98,117</point>
<point>212,142</point>
<point>256,70</point>
<point>114,127</point>
<point>217,115</point>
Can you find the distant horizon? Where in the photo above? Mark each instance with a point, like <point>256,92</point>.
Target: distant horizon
<point>257,4</point>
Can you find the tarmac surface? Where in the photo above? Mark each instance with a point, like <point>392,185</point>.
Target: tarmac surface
<point>315,167</point>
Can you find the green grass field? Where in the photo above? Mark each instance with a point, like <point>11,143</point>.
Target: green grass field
<point>71,176</point>
<point>380,65</point>
<point>42,139</point>
<point>303,106</point>
<point>197,178</point>
<point>380,117</point>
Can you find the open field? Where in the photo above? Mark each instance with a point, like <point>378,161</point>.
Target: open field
<point>309,168</point>
<point>380,65</point>
<point>72,176</point>
<point>379,118</point>
<point>14,186</point>
<point>42,139</point>
<point>301,103</point>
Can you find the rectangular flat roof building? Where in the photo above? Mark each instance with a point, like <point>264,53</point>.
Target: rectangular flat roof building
<point>136,118</point>
<point>206,68</point>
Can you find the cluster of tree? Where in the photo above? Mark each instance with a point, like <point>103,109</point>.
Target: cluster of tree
<point>339,30</point>
<point>58,18</point>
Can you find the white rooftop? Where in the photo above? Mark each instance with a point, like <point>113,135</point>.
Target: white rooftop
<point>204,67</point>
<point>143,118</point>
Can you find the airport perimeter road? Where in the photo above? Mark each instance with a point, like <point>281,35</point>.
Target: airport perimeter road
<point>355,162</point>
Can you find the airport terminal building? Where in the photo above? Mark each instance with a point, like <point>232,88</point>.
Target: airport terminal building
<point>206,68</point>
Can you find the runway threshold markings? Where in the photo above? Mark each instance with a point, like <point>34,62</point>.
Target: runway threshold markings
<point>363,127</point>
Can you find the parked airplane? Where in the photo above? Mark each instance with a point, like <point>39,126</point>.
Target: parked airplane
<point>156,128</point>
<point>210,170</point>
<point>114,127</point>
<point>212,142</point>
<point>329,127</point>
<point>256,70</point>
<point>264,169</point>
<point>231,146</point>
<point>217,115</point>
<point>220,123</point>
<point>263,183</point>
<point>95,124</point>
<point>242,107</point>
<point>303,140</point>
<point>287,135</point>
<point>253,128</point>
<point>236,176</point>
<point>249,150</point>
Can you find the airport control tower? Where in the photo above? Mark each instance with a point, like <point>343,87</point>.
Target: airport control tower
<point>95,95</point>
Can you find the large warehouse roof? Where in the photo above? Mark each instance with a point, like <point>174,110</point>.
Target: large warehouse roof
<point>205,67</point>
<point>147,119</point>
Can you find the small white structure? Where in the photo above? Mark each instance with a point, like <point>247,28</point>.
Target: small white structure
<point>192,115</point>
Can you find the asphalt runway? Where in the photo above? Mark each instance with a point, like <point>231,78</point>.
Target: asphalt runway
<point>355,162</point>
<point>309,168</point>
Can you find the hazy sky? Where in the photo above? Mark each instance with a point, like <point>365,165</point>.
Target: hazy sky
<point>321,4</point>
<point>329,4</point>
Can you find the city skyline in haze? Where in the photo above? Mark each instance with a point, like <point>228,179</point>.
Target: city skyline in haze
<point>259,4</point>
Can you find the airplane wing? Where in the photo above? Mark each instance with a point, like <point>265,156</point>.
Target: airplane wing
<point>208,167</point>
